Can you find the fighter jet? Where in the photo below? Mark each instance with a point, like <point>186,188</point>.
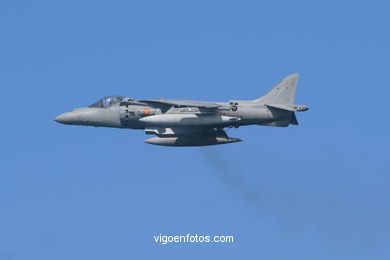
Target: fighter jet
<point>190,122</point>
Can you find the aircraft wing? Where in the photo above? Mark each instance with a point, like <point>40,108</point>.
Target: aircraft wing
<point>181,103</point>
<point>178,131</point>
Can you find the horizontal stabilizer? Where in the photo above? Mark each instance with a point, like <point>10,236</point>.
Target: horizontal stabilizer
<point>288,107</point>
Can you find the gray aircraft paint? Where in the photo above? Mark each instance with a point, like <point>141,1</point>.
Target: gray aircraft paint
<point>190,122</point>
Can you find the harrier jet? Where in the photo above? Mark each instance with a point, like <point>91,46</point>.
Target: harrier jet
<point>190,122</point>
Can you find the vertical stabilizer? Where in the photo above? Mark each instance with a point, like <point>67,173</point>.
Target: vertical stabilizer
<point>283,93</point>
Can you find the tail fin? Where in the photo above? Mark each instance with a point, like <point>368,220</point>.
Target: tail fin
<point>283,93</point>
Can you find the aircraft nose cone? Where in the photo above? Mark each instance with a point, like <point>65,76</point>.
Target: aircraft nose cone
<point>67,118</point>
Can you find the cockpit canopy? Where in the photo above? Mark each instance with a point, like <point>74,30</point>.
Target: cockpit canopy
<point>107,101</point>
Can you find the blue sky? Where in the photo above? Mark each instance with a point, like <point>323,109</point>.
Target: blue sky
<point>316,191</point>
